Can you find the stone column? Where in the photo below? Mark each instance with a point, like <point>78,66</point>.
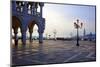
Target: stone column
<point>25,9</point>
<point>23,31</point>
<point>36,6</point>
<point>24,23</point>
<point>41,27</point>
<point>30,31</point>
<point>24,38</point>
<point>16,37</point>
<point>33,8</point>
<point>30,37</point>
<point>41,5</point>
<point>41,24</point>
<point>40,37</point>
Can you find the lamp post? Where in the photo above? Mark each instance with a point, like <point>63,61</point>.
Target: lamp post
<point>78,25</point>
<point>55,32</point>
<point>49,36</point>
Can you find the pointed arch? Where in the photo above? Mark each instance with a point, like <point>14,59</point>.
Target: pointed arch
<point>16,22</point>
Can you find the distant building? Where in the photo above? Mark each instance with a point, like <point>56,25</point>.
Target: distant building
<point>89,37</point>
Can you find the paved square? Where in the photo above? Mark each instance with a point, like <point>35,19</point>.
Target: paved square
<point>51,52</point>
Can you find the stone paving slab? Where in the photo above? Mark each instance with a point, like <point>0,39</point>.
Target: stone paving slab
<point>51,52</point>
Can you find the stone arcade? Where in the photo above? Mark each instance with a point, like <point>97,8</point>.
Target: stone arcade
<point>25,16</point>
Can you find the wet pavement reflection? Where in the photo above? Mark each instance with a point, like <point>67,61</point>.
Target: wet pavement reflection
<point>51,52</point>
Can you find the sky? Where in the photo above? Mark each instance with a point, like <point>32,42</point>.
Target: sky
<point>61,17</point>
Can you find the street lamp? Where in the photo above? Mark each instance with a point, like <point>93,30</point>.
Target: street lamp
<point>78,25</point>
